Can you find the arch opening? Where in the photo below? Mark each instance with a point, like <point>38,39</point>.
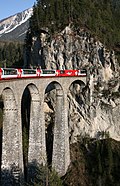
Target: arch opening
<point>53,100</point>
<point>76,108</point>
<point>25,114</point>
<point>33,131</point>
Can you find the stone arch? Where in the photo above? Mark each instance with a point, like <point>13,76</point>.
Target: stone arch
<point>34,126</point>
<point>60,139</point>
<point>78,84</point>
<point>75,106</point>
<point>10,138</point>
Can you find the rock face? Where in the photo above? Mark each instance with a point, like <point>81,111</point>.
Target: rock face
<point>94,110</point>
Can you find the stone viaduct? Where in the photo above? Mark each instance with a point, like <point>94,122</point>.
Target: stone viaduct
<point>12,93</point>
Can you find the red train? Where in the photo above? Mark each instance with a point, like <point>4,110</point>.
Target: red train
<point>9,73</point>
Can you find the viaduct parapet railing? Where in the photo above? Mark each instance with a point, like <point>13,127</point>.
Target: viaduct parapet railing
<point>12,93</point>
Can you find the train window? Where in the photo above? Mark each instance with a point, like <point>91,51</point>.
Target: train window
<point>10,72</point>
<point>29,71</point>
<point>82,71</point>
<point>62,71</point>
<point>48,71</point>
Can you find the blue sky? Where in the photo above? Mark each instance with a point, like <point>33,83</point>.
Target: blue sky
<point>11,7</point>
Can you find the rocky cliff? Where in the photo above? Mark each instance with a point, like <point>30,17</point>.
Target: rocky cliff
<point>94,110</point>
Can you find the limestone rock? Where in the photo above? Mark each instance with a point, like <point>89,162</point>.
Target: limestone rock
<point>97,107</point>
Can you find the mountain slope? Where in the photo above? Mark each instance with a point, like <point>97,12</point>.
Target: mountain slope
<point>15,27</point>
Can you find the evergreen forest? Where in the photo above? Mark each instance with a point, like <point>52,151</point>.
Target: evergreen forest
<point>11,54</point>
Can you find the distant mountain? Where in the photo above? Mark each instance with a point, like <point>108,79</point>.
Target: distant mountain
<point>15,27</point>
